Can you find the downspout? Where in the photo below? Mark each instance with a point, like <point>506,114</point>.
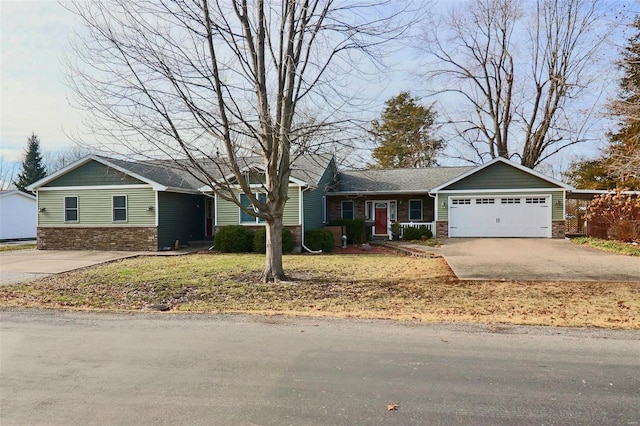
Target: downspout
<point>302,224</point>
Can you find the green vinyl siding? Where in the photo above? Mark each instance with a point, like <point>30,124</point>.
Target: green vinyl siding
<point>95,207</point>
<point>500,176</point>
<point>313,200</point>
<point>180,217</point>
<point>94,174</point>
<point>291,214</point>
<point>228,213</point>
<point>557,204</point>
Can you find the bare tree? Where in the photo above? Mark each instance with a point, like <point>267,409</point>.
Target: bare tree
<point>208,82</point>
<point>519,70</point>
<point>7,174</point>
<point>56,160</point>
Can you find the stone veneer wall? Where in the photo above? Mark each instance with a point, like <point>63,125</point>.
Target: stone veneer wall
<point>558,229</point>
<point>120,238</point>
<point>442,229</point>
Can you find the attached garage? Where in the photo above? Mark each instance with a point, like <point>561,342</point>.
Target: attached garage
<point>500,216</point>
<point>501,199</point>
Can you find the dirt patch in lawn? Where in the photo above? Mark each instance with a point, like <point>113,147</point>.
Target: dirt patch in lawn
<point>348,285</point>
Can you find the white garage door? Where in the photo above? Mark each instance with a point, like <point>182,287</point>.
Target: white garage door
<point>501,216</point>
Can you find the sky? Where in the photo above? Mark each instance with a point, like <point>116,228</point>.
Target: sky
<point>34,39</point>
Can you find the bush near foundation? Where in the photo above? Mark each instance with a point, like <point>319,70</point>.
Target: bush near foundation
<point>260,241</point>
<point>416,233</point>
<point>319,239</point>
<point>234,239</point>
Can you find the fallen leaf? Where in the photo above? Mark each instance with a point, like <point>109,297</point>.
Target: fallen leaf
<point>392,407</point>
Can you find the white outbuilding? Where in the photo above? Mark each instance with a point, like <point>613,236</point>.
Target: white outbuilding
<point>18,215</point>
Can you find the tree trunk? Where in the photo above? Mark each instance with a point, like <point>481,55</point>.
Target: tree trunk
<point>273,270</point>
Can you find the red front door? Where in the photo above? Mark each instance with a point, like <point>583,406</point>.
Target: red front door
<point>381,219</point>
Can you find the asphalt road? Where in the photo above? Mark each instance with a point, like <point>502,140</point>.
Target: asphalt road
<point>87,368</point>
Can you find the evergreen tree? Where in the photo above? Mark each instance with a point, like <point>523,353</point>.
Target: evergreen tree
<point>404,134</point>
<point>32,168</point>
<point>623,154</point>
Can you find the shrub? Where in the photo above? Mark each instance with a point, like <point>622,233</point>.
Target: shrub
<point>417,233</point>
<point>355,229</point>
<point>233,239</point>
<point>319,239</point>
<point>260,241</point>
<point>619,213</point>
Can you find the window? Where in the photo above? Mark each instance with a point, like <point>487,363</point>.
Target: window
<point>510,200</point>
<point>347,210</point>
<point>368,210</point>
<point>459,201</point>
<point>393,210</point>
<point>536,200</point>
<point>485,200</point>
<point>70,209</point>
<point>119,208</point>
<point>245,217</point>
<point>415,210</point>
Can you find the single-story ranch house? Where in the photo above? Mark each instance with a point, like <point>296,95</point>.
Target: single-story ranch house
<point>105,203</point>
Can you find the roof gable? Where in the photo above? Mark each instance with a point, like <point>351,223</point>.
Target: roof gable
<point>93,173</point>
<point>501,173</point>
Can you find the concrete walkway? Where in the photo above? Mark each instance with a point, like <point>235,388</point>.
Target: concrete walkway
<point>24,265</point>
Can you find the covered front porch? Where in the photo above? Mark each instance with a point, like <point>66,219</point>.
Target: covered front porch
<point>379,211</point>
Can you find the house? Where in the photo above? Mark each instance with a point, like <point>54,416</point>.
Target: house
<point>497,199</point>
<point>110,204</point>
<point>106,203</point>
<point>18,215</point>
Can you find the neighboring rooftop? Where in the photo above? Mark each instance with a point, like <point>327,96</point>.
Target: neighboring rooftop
<point>397,180</point>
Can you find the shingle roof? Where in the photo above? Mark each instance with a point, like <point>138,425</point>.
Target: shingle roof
<point>308,168</point>
<point>396,180</point>
<point>165,173</point>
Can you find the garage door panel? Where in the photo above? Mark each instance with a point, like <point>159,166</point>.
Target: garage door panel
<point>507,216</point>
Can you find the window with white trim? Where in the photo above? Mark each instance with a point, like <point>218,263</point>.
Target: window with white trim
<point>71,211</point>
<point>347,210</point>
<point>393,210</point>
<point>246,218</point>
<point>415,210</point>
<point>119,205</point>
<point>368,210</point>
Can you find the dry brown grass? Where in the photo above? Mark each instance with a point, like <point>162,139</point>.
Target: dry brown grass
<point>362,286</point>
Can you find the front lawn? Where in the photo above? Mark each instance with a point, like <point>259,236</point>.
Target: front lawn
<point>12,247</point>
<point>609,245</point>
<point>363,286</point>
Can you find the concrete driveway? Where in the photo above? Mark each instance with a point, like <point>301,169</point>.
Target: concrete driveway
<point>535,259</point>
<point>24,265</point>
